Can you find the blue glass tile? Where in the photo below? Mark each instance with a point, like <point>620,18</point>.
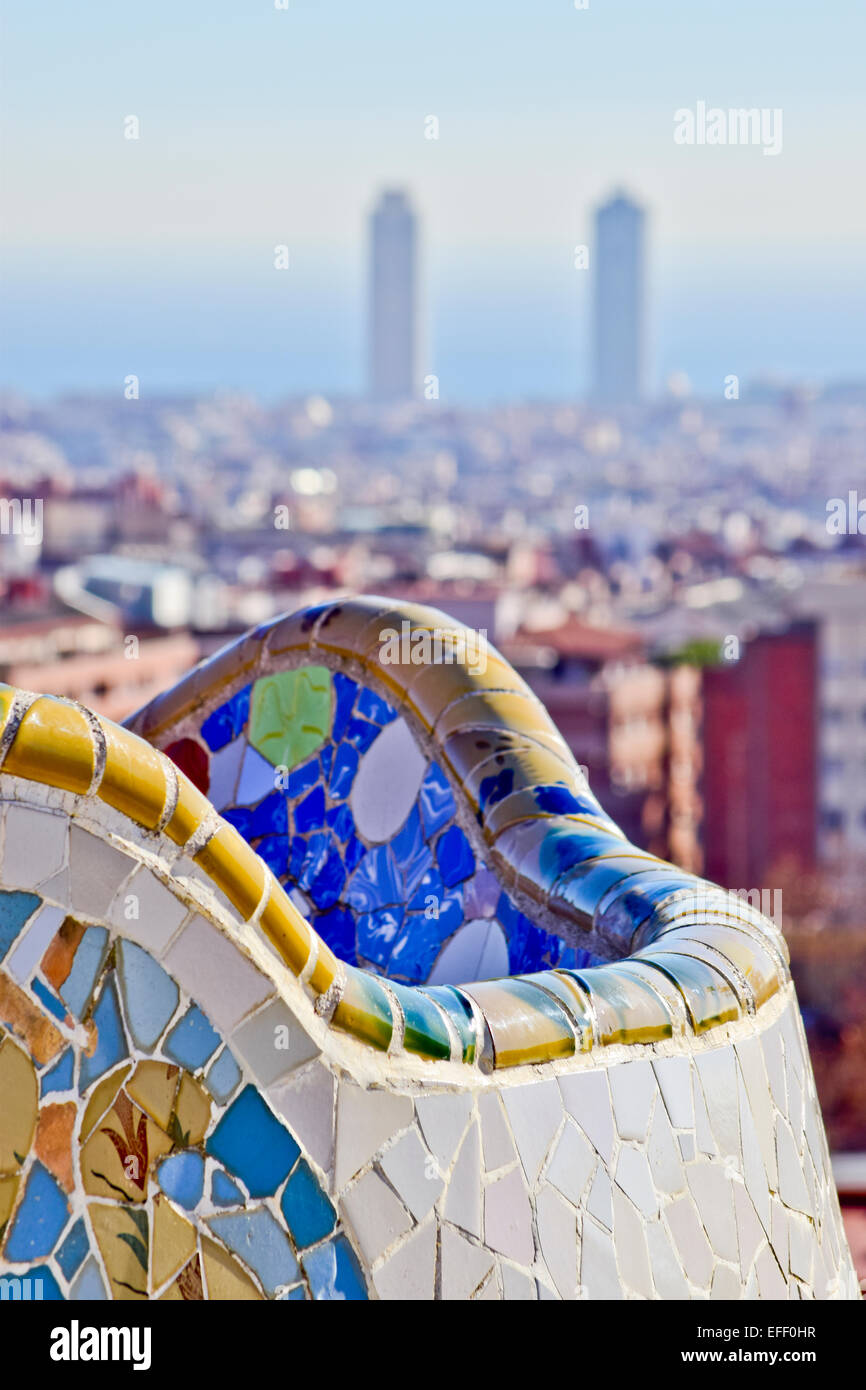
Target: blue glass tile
<point>59,1077</point>
<point>495,788</point>
<point>326,887</point>
<point>353,853</point>
<point>49,999</point>
<point>73,1249</point>
<point>227,721</point>
<point>309,1215</point>
<point>341,820</point>
<point>39,1219</point>
<point>430,886</point>
<point>192,1040</point>
<point>297,855</point>
<point>310,813</point>
<point>375,882</point>
<point>343,773</point>
<point>456,860</point>
<point>223,1076</point>
<point>257,1237</point>
<point>242,818</point>
<point>39,1285</point>
<point>274,849</point>
<point>418,946</point>
<point>110,1044</point>
<point>337,928</point>
<point>302,778</point>
<point>559,800</point>
<point>181,1177</point>
<point>345,691</point>
<point>412,854</point>
<point>334,1272</point>
<point>15,909</point>
<point>150,995</point>
<point>327,757</point>
<point>437,801</point>
<point>224,1192</point>
<point>318,848</point>
<point>253,1145</point>
<point>372,706</point>
<point>271,816</point>
<point>298,1292</point>
<point>377,932</point>
<point>361,734</point>
<point>78,985</point>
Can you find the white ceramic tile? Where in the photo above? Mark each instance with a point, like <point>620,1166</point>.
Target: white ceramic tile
<point>273,1043</point>
<point>463,1203</point>
<point>96,871</point>
<point>443,1120</point>
<point>710,1187</point>
<point>307,1103</point>
<point>703,1131</point>
<point>726,1284</point>
<point>779,1231</point>
<point>366,1120</point>
<point>665,1264</point>
<point>586,1097</point>
<point>495,1136</point>
<point>224,769</point>
<point>147,912</point>
<point>771,1045</point>
<point>213,971</point>
<point>771,1282</point>
<point>557,1236</point>
<point>633,1089</point>
<point>751,1059</point>
<point>478,951</point>
<point>754,1172</point>
<point>508,1218</point>
<point>750,1233</point>
<point>599,1277</point>
<point>690,1240</point>
<point>663,1154</point>
<point>572,1164</point>
<point>718,1073</point>
<point>535,1113</point>
<point>674,1077</point>
<point>464,1265</point>
<point>387,782</point>
<point>409,1275</point>
<point>633,1176</point>
<point>631,1248</point>
<point>257,779</point>
<point>517,1287</point>
<point>35,846</point>
<point>32,945</point>
<point>412,1171</point>
<point>598,1203</point>
<point>375,1215</point>
<point>792,1185</point>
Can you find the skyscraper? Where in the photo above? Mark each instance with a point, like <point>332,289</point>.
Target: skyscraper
<point>392,329</point>
<point>619,301</point>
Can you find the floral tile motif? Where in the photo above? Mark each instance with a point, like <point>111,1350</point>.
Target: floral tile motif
<point>132,1210</point>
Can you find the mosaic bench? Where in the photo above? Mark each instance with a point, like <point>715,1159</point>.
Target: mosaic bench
<point>328,977</point>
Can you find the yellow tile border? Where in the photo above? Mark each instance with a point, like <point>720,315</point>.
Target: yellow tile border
<point>58,743</point>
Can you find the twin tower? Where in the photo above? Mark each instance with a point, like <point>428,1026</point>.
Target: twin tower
<point>616,264</point>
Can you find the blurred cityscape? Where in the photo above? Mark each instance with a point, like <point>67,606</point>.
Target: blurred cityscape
<point>682,580</point>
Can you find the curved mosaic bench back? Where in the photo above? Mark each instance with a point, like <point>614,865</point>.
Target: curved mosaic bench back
<point>201,1099</point>
<point>327,783</point>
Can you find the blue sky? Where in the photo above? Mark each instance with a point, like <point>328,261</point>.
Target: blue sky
<point>261,126</point>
